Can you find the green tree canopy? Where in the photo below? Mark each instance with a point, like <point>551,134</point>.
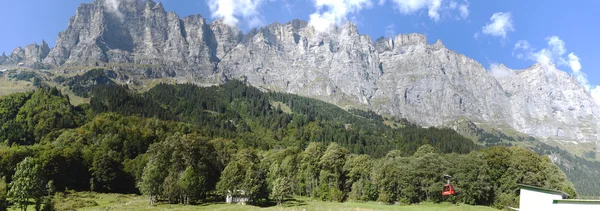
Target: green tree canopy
<point>27,183</point>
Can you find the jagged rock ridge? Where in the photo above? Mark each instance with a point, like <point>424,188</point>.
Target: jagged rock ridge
<point>402,76</point>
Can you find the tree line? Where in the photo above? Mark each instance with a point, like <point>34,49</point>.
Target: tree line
<point>189,144</point>
<point>330,172</point>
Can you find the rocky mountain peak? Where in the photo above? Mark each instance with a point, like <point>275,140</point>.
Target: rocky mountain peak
<point>549,103</point>
<point>3,58</point>
<point>348,29</point>
<point>384,44</point>
<point>410,39</point>
<point>35,53</point>
<point>402,76</point>
<point>438,44</point>
<point>159,6</point>
<point>549,74</point>
<point>298,24</point>
<point>225,37</point>
<point>17,56</point>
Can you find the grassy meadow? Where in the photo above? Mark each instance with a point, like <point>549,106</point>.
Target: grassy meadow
<point>101,202</point>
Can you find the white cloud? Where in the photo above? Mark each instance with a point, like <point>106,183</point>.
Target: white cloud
<point>501,23</point>
<point>435,8</point>
<point>412,6</point>
<point>452,5</point>
<point>595,92</point>
<point>112,4</point>
<point>231,11</point>
<point>552,54</point>
<point>333,12</point>
<point>390,30</point>
<point>113,7</point>
<point>576,68</point>
<point>288,6</point>
<point>574,62</point>
<point>556,45</point>
<point>500,71</point>
<point>522,45</point>
<point>464,11</point>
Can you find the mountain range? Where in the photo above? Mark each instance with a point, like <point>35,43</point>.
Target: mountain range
<point>403,76</point>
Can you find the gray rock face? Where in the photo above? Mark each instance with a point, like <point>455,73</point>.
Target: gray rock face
<point>407,77</point>
<point>35,53</point>
<point>223,38</point>
<point>143,33</point>
<point>3,58</point>
<point>32,55</point>
<point>432,85</point>
<point>340,65</point>
<point>16,56</point>
<point>546,102</point>
<point>402,76</point>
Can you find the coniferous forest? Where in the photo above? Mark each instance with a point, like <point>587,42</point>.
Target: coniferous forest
<point>189,144</point>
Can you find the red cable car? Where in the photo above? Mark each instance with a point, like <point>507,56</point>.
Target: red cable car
<point>447,190</point>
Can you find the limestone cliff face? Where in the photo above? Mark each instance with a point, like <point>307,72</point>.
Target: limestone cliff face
<point>432,85</point>
<point>3,58</point>
<point>141,32</point>
<point>546,102</point>
<point>35,53</point>
<point>340,65</point>
<point>17,56</point>
<point>32,55</point>
<point>404,76</point>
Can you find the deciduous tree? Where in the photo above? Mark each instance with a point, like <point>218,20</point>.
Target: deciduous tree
<point>27,183</point>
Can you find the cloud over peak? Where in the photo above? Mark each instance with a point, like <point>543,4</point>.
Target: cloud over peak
<point>112,6</point>
<point>334,12</point>
<point>500,71</point>
<point>435,8</point>
<point>330,13</point>
<point>500,25</point>
<point>233,10</point>
<point>555,53</point>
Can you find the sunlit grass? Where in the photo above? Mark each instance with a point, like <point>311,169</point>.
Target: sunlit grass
<point>97,201</point>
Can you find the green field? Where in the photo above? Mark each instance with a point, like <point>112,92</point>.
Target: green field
<point>95,201</point>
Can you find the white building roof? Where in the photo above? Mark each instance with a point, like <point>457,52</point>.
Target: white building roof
<point>535,198</point>
<point>544,190</point>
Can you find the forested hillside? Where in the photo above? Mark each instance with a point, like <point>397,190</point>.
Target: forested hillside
<point>581,172</point>
<point>247,115</point>
<point>190,144</point>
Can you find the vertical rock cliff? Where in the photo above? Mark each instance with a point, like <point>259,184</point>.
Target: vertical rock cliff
<point>404,76</point>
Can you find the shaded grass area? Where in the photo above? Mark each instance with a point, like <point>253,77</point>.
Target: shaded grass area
<point>11,86</point>
<point>97,201</point>
<point>281,105</point>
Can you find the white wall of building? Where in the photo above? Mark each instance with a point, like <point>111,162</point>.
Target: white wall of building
<point>531,200</point>
<point>534,199</point>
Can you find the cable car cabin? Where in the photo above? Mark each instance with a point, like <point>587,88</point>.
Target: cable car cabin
<point>447,190</point>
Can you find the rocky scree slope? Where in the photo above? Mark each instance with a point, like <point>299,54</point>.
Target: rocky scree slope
<point>403,76</point>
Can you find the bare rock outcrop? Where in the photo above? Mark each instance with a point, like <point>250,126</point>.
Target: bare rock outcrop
<point>405,76</point>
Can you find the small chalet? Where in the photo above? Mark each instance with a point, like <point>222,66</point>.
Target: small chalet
<point>237,197</point>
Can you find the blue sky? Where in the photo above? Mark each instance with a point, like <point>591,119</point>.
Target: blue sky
<point>563,32</point>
